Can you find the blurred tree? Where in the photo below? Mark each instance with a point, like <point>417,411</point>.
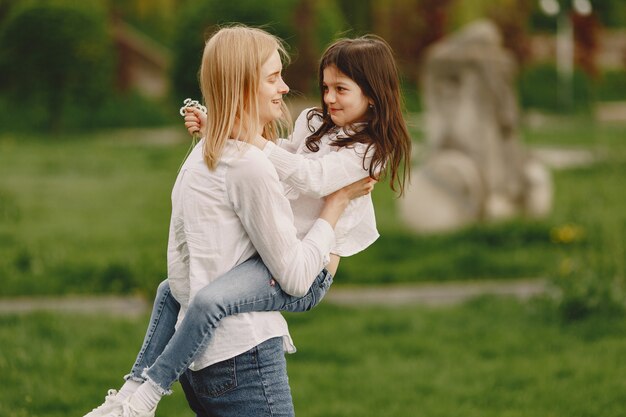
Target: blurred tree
<point>610,13</point>
<point>511,17</point>
<point>52,52</point>
<point>5,7</point>
<point>306,25</point>
<point>410,26</point>
<point>586,29</point>
<point>156,18</point>
<point>358,14</point>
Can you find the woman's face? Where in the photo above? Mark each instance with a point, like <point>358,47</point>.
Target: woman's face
<point>271,90</point>
<point>344,98</point>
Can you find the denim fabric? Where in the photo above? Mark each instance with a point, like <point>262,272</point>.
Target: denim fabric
<point>160,330</point>
<point>252,384</point>
<point>247,287</point>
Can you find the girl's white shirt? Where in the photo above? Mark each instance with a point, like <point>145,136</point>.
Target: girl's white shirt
<point>309,176</point>
<point>221,218</point>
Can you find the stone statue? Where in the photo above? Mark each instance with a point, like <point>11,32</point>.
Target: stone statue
<point>474,166</point>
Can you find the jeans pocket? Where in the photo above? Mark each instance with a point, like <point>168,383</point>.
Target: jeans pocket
<point>216,379</point>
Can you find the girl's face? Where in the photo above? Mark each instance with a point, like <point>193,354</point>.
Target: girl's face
<point>271,90</point>
<point>344,98</point>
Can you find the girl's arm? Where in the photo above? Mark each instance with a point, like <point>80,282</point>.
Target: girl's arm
<point>257,198</point>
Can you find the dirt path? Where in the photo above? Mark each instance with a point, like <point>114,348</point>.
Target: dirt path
<point>392,295</point>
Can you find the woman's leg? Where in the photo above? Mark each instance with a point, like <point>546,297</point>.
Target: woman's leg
<point>247,287</point>
<point>252,384</point>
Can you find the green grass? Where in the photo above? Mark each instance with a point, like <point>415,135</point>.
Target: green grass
<point>591,198</point>
<point>85,214</point>
<point>90,213</point>
<point>486,358</point>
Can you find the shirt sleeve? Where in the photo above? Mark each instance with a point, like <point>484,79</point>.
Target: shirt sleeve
<point>316,177</point>
<point>257,197</point>
<point>322,176</point>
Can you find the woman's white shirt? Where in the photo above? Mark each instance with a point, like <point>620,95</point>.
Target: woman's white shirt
<point>309,176</point>
<point>222,217</point>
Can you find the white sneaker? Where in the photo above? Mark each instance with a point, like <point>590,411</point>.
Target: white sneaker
<point>129,411</point>
<point>110,407</point>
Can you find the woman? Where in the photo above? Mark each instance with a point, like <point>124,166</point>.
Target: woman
<point>353,133</point>
<point>227,206</point>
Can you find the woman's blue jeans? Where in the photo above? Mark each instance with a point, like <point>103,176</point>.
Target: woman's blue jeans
<point>252,384</point>
<point>166,353</point>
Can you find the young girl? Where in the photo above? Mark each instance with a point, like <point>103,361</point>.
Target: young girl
<point>359,131</point>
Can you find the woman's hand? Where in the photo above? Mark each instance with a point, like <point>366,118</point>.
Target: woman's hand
<point>336,203</point>
<point>357,189</point>
<point>195,120</point>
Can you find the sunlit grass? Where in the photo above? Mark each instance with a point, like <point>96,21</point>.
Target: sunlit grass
<point>90,213</point>
<point>486,358</point>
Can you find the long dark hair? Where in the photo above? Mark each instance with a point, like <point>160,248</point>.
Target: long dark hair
<point>369,62</point>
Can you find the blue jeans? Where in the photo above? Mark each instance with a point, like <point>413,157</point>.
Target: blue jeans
<point>166,354</point>
<point>251,384</point>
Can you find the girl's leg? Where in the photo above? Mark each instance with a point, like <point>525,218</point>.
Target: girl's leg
<point>247,287</point>
<point>160,330</point>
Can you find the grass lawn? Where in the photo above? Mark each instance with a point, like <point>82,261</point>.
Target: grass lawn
<point>90,213</point>
<point>490,357</point>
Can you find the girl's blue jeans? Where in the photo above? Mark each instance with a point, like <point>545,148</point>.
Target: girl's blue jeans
<point>166,353</point>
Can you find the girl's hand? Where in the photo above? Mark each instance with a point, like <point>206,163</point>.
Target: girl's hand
<point>195,120</point>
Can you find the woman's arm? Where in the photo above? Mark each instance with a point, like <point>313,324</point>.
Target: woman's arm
<point>257,198</point>
<point>313,177</point>
<point>322,176</point>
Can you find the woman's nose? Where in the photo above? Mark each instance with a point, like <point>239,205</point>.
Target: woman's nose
<point>283,87</point>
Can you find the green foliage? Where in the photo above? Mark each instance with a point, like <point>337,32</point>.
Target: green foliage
<point>198,19</point>
<point>113,111</point>
<point>540,87</point>
<point>486,358</point>
<point>612,13</point>
<point>55,52</point>
<point>611,86</point>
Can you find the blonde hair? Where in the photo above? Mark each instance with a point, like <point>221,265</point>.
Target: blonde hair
<point>229,80</point>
